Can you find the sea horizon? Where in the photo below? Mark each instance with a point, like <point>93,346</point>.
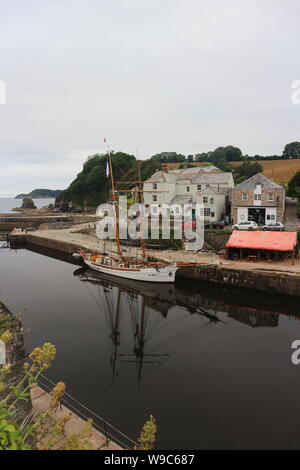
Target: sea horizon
<point>7,204</point>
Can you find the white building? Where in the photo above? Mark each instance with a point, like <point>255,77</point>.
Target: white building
<point>205,185</point>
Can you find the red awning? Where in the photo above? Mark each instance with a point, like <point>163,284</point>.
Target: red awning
<point>266,240</point>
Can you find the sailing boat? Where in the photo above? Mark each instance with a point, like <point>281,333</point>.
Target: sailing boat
<point>135,269</point>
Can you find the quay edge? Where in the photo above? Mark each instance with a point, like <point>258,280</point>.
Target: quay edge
<point>253,278</point>
<point>271,282</point>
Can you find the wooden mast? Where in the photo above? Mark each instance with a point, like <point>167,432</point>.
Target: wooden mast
<point>141,200</point>
<point>114,198</point>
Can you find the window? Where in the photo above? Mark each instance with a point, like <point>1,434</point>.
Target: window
<point>211,201</point>
<point>244,197</point>
<point>154,186</point>
<point>212,214</point>
<point>270,197</point>
<point>154,210</point>
<point>257,197</point>
<point>206,212</point>
<point>205,199</point>
<point>198,187</point>
<point>207,185</point>
<point>188,189</point>
<point>154,198</point>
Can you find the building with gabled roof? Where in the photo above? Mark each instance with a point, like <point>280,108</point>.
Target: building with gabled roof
<point>258,199</point>
<point>188,186</point>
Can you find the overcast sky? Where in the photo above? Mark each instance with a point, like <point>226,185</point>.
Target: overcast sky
<point>163,75</point>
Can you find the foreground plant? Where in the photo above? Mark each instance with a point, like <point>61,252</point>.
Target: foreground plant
<point>41,431</point>
<point>147,437</point>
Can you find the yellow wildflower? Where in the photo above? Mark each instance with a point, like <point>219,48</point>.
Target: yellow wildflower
<point>6,369</point>
<point>6,336</point>
<point>43,356</point>
<point>57,394</point>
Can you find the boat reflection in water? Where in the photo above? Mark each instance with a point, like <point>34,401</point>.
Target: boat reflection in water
<point>152,339</point>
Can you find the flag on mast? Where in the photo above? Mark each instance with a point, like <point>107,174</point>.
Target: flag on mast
<point>107,169</point>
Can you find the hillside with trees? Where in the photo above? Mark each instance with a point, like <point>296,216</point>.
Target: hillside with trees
<point>91,186</point>
<point>40,194</point>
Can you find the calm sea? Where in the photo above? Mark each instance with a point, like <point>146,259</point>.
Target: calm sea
<point>8,203</point>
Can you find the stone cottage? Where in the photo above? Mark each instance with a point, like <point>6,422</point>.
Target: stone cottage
<point>258,199</point>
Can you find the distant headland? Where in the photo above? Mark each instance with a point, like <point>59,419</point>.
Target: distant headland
<point>40,194</point>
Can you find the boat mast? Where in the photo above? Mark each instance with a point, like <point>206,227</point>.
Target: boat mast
<point>141,200</point>
<point>114,198</point>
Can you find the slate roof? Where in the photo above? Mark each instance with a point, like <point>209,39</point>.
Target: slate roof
<point>195,170</point>
<point>201,176</point>
<point>182,199</point>
<point>259,178</point>
<point>211,191</point>
<point>213,178</point>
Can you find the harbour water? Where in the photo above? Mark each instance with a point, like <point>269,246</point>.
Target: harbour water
<point>213,366</point>
<point>9,203</point>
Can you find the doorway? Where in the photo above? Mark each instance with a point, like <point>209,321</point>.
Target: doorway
<point>257,215</point>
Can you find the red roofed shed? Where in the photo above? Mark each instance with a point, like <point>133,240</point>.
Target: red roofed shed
<point>262,243</point>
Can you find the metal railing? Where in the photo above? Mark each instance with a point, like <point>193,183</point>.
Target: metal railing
<point>111,433</point>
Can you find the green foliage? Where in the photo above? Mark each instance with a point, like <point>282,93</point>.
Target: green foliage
<point>232,154</point>
<point>292,150</point>
<point>202,157</point>
<point>245,171</point>
<point>170,157</point>
<point>147,437</point>
<point>293,187</point>
<point>11,438</point>
<point>40,193</point>
<point>91,186</point>
<point>218,158</point>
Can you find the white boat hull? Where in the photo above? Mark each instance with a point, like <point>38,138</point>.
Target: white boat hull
<point>160,274</point>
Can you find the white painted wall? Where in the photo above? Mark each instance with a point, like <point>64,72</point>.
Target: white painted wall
<point>270,215</point>
<point>217,206</point>
<point>242,214</point>
<point>257,192</point>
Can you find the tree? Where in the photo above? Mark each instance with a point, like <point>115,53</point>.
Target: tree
<point>233,154</point>
<point>170,157</point>
<point>91,186</point>
<point>218,158</point>
<point>202,157</point>
<point>246,170</point>
<point>293,187</point>
<point>292,150</point>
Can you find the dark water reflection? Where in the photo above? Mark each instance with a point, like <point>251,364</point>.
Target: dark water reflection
<point>212,365</point>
